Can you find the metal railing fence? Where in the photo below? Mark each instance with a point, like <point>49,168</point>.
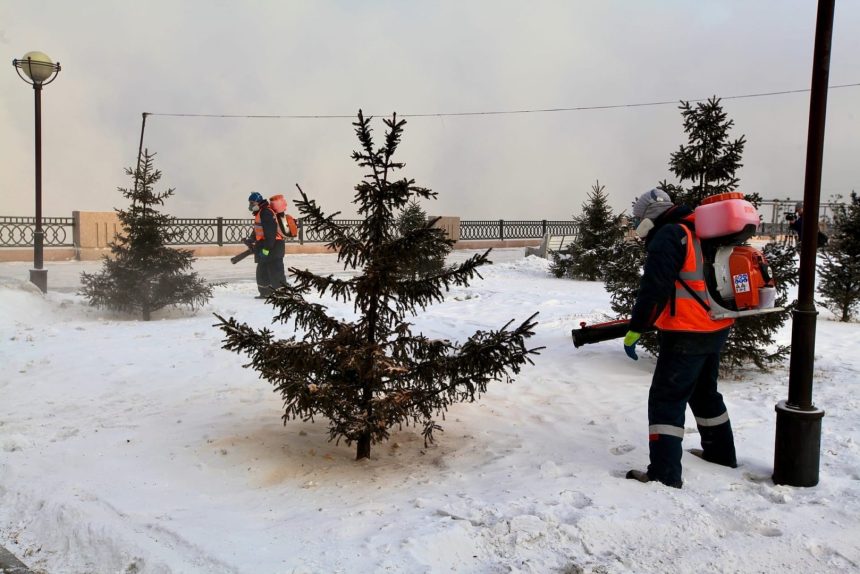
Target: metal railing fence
<point>59,231</point>
<point>496,229</point>
<point>18,231</point>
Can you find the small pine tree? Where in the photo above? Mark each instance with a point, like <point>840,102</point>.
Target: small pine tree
<point>710,159</point>
<point>371,374</point>
<point>598,230</point>
<point>414,217</point>
<point>623,271</point>
<point>143,274</point>
<point>839,271</point>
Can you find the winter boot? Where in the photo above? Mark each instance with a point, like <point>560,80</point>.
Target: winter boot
<point>664,452</point>
<point>642,476</point>
<point>718,445</point>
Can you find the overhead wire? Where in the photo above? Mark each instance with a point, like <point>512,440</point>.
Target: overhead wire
<point>494,112</point>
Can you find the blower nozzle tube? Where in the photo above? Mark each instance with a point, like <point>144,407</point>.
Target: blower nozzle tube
<point>587,334</point>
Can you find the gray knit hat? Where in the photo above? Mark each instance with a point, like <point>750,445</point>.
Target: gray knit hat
<point>651,204</point>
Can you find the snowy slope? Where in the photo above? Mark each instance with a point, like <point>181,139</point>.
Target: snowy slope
<point>144,447</point>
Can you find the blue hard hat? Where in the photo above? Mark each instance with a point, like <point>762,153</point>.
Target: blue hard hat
<point>256,197</point>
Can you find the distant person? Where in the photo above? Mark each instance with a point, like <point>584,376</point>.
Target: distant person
<point>268,246</point>
<point>670,298</point>
<point>797,226</point>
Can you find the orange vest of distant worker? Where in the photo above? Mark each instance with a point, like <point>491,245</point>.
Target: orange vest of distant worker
<point>258,226</point>
<point>684,312</point>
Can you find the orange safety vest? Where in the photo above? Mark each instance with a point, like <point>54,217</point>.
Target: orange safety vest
<point>258,226</point>
<point>685,311</point>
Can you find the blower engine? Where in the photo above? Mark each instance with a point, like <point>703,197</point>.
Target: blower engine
<point>739,279</point>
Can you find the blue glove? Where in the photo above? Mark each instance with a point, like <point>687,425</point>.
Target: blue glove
<point>630,340</point>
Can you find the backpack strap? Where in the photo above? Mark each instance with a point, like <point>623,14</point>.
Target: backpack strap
<point>695,295</point>
<point>700,249</point>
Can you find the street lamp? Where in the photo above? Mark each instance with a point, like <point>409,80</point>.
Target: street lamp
<point>39,71</point>
<point>797,451</point>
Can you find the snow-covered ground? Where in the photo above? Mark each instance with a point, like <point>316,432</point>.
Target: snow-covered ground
<point>143,447</point>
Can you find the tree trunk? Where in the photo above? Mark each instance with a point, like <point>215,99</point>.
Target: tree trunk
<point>363,450</point>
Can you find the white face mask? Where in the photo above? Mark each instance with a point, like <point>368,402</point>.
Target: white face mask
<point>644,227</point>
<point>254,208</point>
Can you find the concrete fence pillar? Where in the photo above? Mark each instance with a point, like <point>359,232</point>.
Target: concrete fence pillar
<point>449,224</point>
<point>94,231</point>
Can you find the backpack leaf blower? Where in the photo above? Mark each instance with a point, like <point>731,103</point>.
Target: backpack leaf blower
<point>739,279</point>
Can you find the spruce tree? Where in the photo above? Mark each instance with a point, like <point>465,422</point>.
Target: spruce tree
<point>143,274</point>
<point>372,373</point>
<point>710,160</point>
<point>708,165</point>
<point>413,217</point>
<point>839,271</point>
<point>597,231</point>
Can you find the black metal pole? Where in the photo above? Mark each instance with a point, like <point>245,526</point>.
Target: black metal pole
<point>39,275</point>
<point>798,422</point>
<point>139,151</point>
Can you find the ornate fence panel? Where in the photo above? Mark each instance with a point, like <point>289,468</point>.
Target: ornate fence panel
<point>312,236</point>
<point>193,231</point>
<point>18,231</point>
<point>491,229</point>
<point>568,228</point>
<point>213,231</point>
<point>234,230</point>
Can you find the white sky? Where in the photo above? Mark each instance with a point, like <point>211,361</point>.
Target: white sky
<point>121,58</point>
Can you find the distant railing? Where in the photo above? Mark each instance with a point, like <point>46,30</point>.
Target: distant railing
<point>220,231</point>
<point>18,231</point>
<point>59,231</point>
<point>214,231</point>
<point>308,235</point>
<point>514,229</point>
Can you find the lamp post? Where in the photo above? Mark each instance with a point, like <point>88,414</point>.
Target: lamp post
<point>797,450</point>
<point>38,70</point>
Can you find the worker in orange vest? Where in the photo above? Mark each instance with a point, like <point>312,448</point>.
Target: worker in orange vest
<point>268,246</point>
<point>673,297</point>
